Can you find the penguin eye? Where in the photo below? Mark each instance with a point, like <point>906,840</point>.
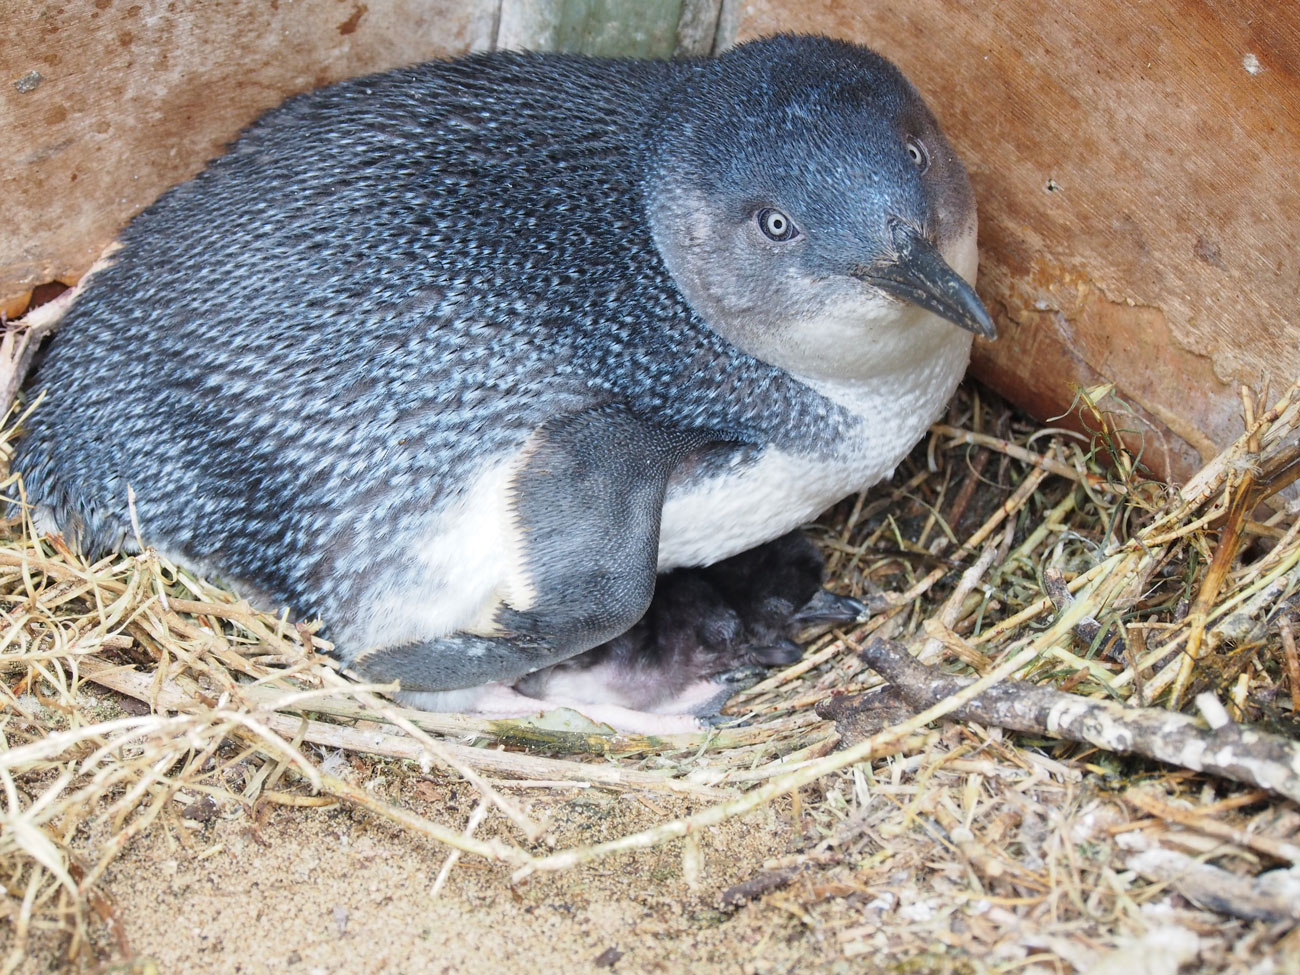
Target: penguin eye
<point>918,153</point>
<point>776,225</point>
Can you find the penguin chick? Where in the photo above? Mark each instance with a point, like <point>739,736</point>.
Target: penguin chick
<point>458,356</point>
<point>776,591</point>
<point>708,633</point>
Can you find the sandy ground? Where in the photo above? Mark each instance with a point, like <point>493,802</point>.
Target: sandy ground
<point>336,890</point>
<point>332,890</point>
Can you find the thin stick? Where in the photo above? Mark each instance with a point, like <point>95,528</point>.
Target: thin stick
<point>1225,553</point>
<point>1292,662</point>
<point>949,612</point>
<point>475,818</point>
<point>1230,750</point>
<point>1197,819</point>
<point>139,686</point>
<point>488,849</point>
<point>1048,464</point>
<point>445,758</point>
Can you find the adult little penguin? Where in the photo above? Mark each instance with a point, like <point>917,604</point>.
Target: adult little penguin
<point>458,356</point>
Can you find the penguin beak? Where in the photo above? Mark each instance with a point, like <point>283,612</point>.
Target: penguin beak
<point>919,274</point>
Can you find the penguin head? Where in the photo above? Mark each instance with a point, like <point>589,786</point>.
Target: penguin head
<point>810,210</point>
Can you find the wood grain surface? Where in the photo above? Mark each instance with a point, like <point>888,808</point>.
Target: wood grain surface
<point>106,103</point>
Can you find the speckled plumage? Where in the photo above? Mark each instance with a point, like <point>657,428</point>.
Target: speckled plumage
<point>311,362</point>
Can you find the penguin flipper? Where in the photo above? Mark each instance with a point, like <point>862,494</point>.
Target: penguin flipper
<point>585,505</point>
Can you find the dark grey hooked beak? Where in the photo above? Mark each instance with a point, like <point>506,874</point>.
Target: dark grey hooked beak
<point>919,274</point>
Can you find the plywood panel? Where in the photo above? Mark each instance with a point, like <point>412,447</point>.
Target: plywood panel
<point>1134,164</point>
<point>610,28</point>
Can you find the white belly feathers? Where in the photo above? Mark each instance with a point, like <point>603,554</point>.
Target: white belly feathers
<point>469,558</point>
<point>705,521</point>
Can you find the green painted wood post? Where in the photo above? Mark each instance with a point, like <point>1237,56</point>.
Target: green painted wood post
<point>612,28</point>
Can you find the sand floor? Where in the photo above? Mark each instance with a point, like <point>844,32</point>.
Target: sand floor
<point>333,890</point>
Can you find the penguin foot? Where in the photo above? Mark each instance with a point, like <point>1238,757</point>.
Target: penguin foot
<point>498,701</point>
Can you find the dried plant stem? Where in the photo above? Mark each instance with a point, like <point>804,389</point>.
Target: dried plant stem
<point>1023,492</point>
<point>1221,890</point>
<point>809,661</point>
<point>488,849</point>
<point>1225,554</point>
<point>1292,661</point>
<point>1041,606</point>
<point>1049,464</point>
<point>443,756</point>
<point>951,609</point>
<point>1271,584</point>
<point>475,820</point>
<point>170,697</point>
<point>1197,819</point>
<point>883,743</point>
<point>1208,482</point>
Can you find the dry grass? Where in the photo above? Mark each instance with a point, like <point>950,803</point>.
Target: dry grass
<point>131,688</point>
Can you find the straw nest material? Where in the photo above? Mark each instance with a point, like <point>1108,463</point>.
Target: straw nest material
<point>1148,623</point>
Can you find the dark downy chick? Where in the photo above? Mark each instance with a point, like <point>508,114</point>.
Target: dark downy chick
<point>709,632</point>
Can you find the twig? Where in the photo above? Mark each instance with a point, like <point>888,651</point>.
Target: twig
<point>444,757</point>
<point>966,492</point>
<point>170,697</point>
<point>1209,481</point>
<point>1232,751</point>
<point>475,819</point>
<point>762,883</point>
<point>877,745</point>
<point>1274,896</point>
<point>951,609</point>
<point>488,849</point>
<point>1087,629</point>
<point>1292,662</point>
<point>1197,819</point>
<point>1243,502</point>
<point>1047,464</point>
<point>1041,606</point>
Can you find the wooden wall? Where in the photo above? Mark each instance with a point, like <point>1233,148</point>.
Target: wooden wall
<point>106,103</point>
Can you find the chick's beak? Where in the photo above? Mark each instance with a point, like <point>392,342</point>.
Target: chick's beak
<point>919,274</point>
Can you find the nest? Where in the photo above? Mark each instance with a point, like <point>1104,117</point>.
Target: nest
<point>1000,551</point>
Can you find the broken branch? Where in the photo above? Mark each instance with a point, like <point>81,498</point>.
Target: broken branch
<point>1233,751</point>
